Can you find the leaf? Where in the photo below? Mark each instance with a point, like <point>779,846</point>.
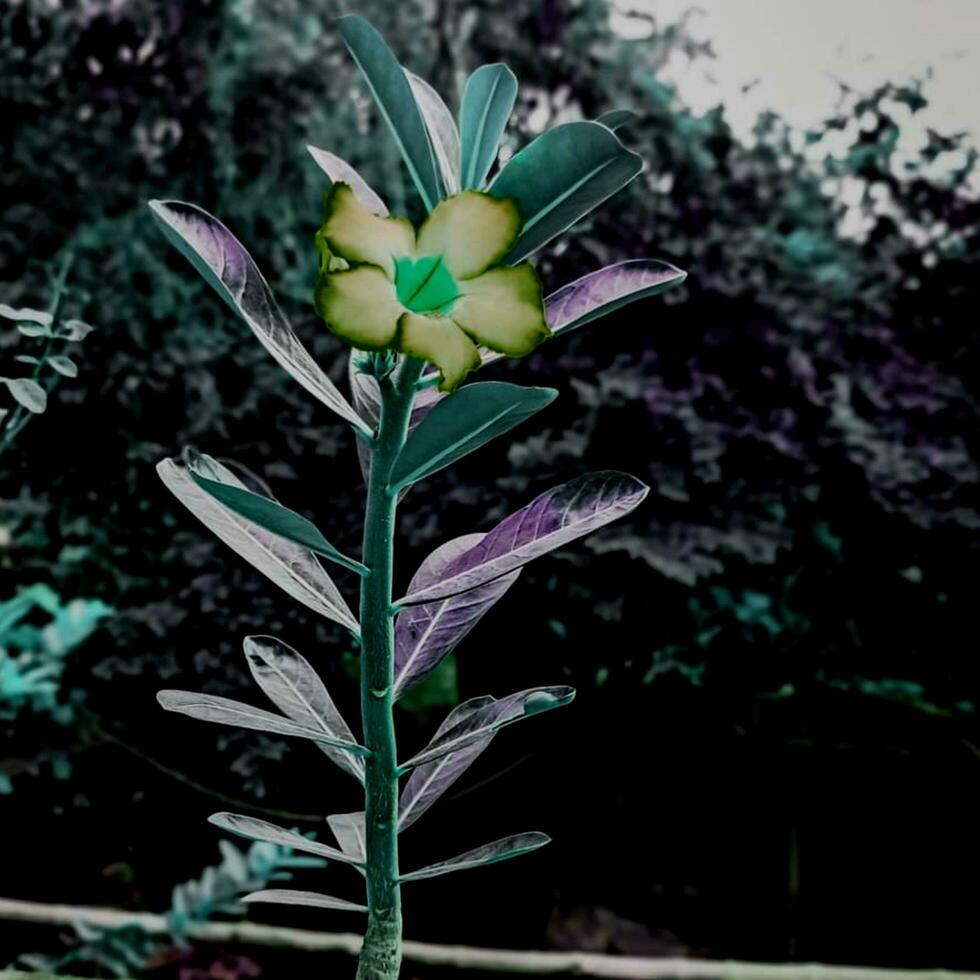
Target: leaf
<point>348,828</point>
<point>441,127</point>
<point>554,518</point>
<point>599,293</point>
<point>499,850</point>
<point>426,633</point>
<point>75,330</point>
<point>463,422</point>
<point>294,569</point>
<point>64,365</point>
<point>616,118</point>
<point>367,402</point>
<point>488,101</point>
<point>480,717</point>
<point>429,781</point>
<point>262,830</point>
<point>27,359</point>
<point>222,260</point>
<point>393,94</point>
<point>224,711</point>
<point>33,330</point>
<point>341,171</point>
<point>296,690</point>
<point>561,176</point>
<point>272,516</point>
<point>27,393</point>
<point>288,896</point>
<point>25,314</point>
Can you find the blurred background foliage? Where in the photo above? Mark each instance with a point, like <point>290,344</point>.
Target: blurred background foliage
<point>775,733</point>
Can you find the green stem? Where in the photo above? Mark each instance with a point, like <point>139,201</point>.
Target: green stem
<point>382,951</point>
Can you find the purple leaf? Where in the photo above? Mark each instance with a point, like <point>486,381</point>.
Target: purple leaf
<point>262,830</point>
<point>480,717</point>
<point>551,520</point>
<point>603,291</point>
<point>429,781</point>
<point>426,633</point>
<point>499,850</point>
<point>222,260</point>
<point>340,170</point>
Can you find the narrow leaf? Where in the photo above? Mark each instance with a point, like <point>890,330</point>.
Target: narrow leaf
<point>429,781</point>
<point>426,633</point>
<point>488,101</point>
<point>348,828</point>
<point>463,422</point>
<point>294,569</point>
<point>601,292</point>
<point>367,401</point>
<point>486,715</point>
<point>33,330</point>
<point>499,850</point>
<point>441,127</point>
<point>224,711</point>
<point>551,520</point>
<point>25,314</point>
<point>272,516</point>
<point>288,896</point>
<point>296,690</point>
<point>561,176</point>
<point>392,92</point>
<point>64,365</point>
<point>222,260</point>
<point>27,393</point>
<point>262,830</point>
<point>615,118</point>
<point>340,171</point>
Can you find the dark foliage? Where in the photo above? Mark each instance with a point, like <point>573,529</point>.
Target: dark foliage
<point>774,654</point>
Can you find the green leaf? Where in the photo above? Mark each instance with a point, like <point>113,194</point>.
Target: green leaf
<point>281,521</point>
<point>560,177</point>
<point>488,101</point>
<point>27,393</point>
<point>393,94</point>
<point>25,314</point>
<point>463,422</point>
<point>64,365</point>
<point>616,118</point>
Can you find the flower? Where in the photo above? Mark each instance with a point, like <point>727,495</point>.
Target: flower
<point>436,294</point>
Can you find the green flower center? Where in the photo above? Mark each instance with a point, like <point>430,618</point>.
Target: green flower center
<point>425,285</point>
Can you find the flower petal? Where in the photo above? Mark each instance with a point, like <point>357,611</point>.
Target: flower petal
<point>441,342</point>
<point>359,305</point>
<point>354,233</point>
<point>471,231</point>
<point>503,310</point>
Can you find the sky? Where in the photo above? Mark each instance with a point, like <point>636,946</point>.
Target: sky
<point>795,48</point>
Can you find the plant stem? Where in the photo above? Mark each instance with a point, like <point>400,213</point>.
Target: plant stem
<point>382,951</point>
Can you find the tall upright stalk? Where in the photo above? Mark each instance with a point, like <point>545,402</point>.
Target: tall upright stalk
<point>381,953</point>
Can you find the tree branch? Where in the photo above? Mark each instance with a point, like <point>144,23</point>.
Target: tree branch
<point>464,958</point>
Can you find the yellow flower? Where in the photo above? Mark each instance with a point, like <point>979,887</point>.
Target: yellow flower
<point>436,294</point>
